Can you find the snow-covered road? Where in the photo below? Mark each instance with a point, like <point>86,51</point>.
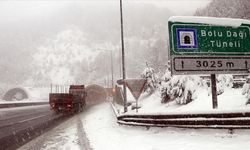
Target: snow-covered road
<point>104,133</point>
<point>69,135</point>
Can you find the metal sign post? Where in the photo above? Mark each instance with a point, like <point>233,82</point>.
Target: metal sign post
<point>214,91</point>
<point>123,60</point>
<point>203,45</point>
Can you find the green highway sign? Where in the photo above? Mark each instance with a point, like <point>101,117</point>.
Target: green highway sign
<point>194,41</point>
<point>204,39</point>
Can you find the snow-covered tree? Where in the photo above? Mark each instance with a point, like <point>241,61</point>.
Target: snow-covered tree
<point>183,89</point>
<point>152,81</point>
<point>231,9</point>
<point>179,88</point>
<point>246,90</point>
<point>223,81</point>
<point>62,59</point>
<point>166,87</point>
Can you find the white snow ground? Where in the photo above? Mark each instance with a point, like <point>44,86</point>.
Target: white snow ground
<point>104,133</point>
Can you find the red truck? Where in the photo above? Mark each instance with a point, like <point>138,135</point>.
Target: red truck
<point>74,101</point>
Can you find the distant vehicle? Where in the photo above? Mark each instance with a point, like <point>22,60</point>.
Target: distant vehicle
<point>239,80</point>
<point>248,80</point>
<point>96,94</point>
<point>74,101</point>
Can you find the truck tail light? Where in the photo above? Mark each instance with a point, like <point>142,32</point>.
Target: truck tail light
<point>53,105</point>
<point>69,105</point>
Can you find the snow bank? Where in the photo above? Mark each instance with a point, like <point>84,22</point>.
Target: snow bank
<point>105,134</point>
<point>231,100</point>
<point>210,20</point>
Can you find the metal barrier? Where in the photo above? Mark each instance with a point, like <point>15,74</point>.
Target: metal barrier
<point>8,105</point>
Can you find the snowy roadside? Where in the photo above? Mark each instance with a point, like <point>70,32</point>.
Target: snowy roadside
<point>105,134</point>
<point>230,101</point>
<point>69,135</point>
<point>100,126</point>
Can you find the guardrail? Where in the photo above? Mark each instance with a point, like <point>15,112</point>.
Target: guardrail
<point>9,105</point>
<point>219,121</point>
<point>114,109</point>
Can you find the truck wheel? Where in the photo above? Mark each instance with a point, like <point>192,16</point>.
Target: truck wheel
<point>57,111</point>
<point>75,108</point>
<point>80,107</point>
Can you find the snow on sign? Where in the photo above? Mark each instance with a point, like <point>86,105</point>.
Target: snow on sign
<point>206,45</point>
<point>136,86</point>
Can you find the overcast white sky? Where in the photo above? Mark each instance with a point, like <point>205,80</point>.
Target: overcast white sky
<point>13,9</point>
<point>177,6</point>
<point>182,6</point>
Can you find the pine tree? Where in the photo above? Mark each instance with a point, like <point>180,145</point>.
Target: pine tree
<point>246,90</point>
<point>152,81</point>
<point>178,88</point>
<point>231,9</point>
<point>166,86</point>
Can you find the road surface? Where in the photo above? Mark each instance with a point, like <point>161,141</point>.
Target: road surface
<point>70,134</point>
<point>20,124</point>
